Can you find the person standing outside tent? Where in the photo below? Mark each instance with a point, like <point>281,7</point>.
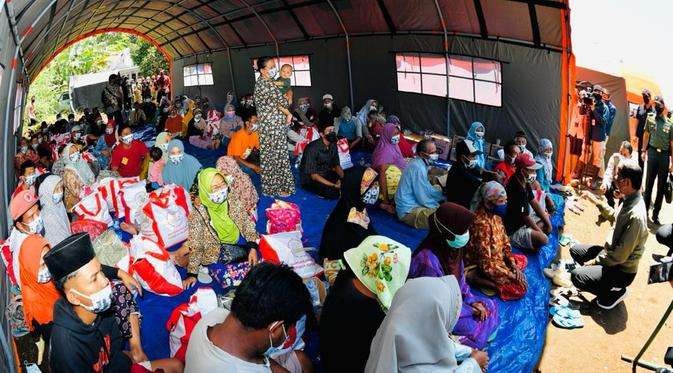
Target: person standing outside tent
<point>128,157</point>
<point>31,111</point>
<point>644,109</point>
<point>600,115</point>
<point>656,150</point>
<point>612,112</point>
<point>277,179</point>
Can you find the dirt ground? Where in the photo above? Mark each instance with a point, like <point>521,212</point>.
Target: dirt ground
<point>621,331</point>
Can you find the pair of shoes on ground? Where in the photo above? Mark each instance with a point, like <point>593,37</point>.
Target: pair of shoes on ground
<point>566,317</point>
<point>611,299</point>
<point>559,272</point>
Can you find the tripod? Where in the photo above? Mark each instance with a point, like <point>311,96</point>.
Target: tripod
<point>635,362</point>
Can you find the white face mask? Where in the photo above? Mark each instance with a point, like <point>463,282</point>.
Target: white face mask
<point>434,157</point>
<point>273,72</point>
<point>109,131</point>
<point>57,197</point>
<point>74,157</point>
<point>164,147</point>
<point>479,134</point>
<point>547,154</point>
<point>36,225</point>
<point>219,196</point>
<point>24,149</point>
<point>197,118</point>
<point>530,178</point>
<point>35,145</point>
<point>303,107</point>
<point>30,179</point>
<point>127,139</point>
<point>77,135</point>
<point>43,275</point>
<point>176,158</point>
<point>100,301</point>
<point>395,139</point>
<point>472,163</point>
<point>372,107</point>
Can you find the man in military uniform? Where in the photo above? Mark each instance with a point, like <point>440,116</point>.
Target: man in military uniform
<point>656,150</point>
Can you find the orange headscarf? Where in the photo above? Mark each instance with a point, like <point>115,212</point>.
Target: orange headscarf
<point>38,299</point>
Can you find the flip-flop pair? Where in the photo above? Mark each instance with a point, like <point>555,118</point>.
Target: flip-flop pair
<point>566,318</point>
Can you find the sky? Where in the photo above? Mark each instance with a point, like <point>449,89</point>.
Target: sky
<point>625,35</point>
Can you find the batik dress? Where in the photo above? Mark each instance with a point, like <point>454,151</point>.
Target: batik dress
<point>274,158</point>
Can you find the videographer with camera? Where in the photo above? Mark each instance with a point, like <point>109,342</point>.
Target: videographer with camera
<point>600,115</point>
<point>607,270</point>
<point>656,150</point>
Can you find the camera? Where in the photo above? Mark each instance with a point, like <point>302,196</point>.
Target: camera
<point>662,270</point>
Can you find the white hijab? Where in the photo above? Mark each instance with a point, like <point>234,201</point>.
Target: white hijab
<point>414,336</point>
<point>54,216</point>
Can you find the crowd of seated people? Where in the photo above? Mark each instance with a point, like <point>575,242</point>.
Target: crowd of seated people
<point>399,304</point>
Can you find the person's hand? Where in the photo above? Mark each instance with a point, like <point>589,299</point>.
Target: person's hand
<point>604,189</point>
<point>188,282</point>
<point>137,354</point>
<point>551,207</point>
<point>337,185</point>
<point>256,168</point>
<point>643,156</point>
<point>481,357</point>
<point>252,257</point>
<point>479,311</point>
<point>370,139</point>
<point>547,228</point>
<point>129,281</point>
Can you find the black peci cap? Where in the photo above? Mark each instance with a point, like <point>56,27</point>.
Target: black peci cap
<point>69,255</point>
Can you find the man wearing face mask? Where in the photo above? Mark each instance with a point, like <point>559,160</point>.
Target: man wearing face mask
<point>128,156</point>
<point>505,169</point>
<point>521,140</point>
<point>524,232</point>
<point>608,187</point>
<point>267,305</point>
<point>320,170</point>
<point>641,116</point>
<point>465,175</point>
<point>27,175</point>
<point>600,115</point>
<point>608,269</point>
<point>244,145</point>
<point>85,336</point>
<point>329,110</point>
<point>416,198</point>
<point>657,146</point>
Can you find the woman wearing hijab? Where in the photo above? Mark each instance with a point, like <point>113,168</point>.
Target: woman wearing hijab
<point>242,198</point>
<point>545,174</point>
<point>356,303</point>
<point>53,213</point>
<point>441,254</point>
<point>37,290</point>
<point>162,143</point>
<point>388,161</point>
<point>476,135</point>
<point>76,175</point>
<point>277,179</point>
<point>213,194</point>
<point>349,223</point>
<point>103,149</point>
<point>489,258</point>
<point>181,168</point>
<point>230,122</point>
<point>416,333</point>
<point>348,127</point>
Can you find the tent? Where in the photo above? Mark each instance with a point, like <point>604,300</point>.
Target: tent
<point>438,64</point>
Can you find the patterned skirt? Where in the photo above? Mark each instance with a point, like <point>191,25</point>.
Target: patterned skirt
<point>276,173</point>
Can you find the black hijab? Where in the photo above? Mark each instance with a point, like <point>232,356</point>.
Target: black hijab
<point>338,234</point>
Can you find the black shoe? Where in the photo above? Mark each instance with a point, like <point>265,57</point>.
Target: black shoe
<point>655,220</point>
<point>611,299</point>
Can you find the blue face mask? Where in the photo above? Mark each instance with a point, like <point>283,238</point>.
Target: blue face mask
<point>273,350</point>
<point>459,240</point>
<point>499,210</point>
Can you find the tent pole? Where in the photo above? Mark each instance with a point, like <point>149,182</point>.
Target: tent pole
<point>268,29</point>
<point>348,52</point>
<point>5,144</point>
<point>447,61</point>
<point>231,73</point>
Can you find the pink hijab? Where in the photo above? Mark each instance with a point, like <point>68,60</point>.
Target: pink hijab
<point>386,152</point>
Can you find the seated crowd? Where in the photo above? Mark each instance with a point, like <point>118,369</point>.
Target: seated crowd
<point>405,309</point>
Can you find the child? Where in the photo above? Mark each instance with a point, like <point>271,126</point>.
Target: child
<point>156,168</point>
<point>284,84</point>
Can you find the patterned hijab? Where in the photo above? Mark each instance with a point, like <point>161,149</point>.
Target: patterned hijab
<point>80,166</point>
<point>487,192</point>
<point>382,265</point>
<point>242,188</point>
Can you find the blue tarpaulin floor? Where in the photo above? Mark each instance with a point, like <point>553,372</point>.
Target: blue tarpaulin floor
<point>520,338</point>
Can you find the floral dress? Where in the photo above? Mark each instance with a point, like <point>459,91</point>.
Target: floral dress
<point>276,174</point>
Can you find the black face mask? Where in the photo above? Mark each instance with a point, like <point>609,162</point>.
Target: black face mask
<point>331,137</point>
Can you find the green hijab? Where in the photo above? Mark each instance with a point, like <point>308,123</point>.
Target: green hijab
<point>226,230</point>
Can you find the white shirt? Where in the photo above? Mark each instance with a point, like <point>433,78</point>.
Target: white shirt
<point>615,160</point>
<point>203,356</point>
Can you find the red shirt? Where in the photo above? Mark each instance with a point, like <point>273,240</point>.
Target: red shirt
<point>506,169</point>
<point>128,161</point>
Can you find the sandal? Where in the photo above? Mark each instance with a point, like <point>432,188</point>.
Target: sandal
<point>564,323</point>
<point>565,312</point>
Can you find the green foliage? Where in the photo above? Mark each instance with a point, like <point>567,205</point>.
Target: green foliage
<point>88,56</point>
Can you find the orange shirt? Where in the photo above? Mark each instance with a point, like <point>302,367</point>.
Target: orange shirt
<point>174,124</point>
<point>240,141</point>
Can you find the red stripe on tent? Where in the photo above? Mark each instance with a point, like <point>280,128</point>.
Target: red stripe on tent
<point>60,49</point>
<point>15,62</point>
<point>27,31</point>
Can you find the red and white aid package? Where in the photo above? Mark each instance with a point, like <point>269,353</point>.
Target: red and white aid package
<point>286,247</point>
<point>133,197</point>
<point>167,211</point>
<point>283,217</point>
<point>184,317</point>
<point>343,149</point>
<point>93,207</point>
<point>152,266</point>
<point>110,187</point>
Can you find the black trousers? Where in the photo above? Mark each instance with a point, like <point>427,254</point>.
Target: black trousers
<point>657,169</point>
<point>640,152</point>
<point>665,237</point>
<point>596,279</point>
<point>321,189</point>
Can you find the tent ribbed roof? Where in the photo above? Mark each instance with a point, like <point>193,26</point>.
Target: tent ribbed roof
<point>186,27</point>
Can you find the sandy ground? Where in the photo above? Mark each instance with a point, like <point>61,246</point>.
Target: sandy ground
<point>621,331</point>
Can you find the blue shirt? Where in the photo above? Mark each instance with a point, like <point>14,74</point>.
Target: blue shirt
<point>415,190</point>
<point>612,112</point>
<point>600,116</point>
